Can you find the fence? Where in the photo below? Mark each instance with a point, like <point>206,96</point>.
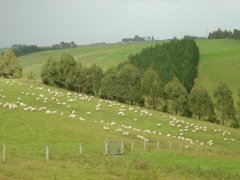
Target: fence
<point>108,148</point>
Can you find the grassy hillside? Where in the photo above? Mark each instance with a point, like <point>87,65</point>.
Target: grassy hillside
<point>104,55</point>
<point>184,147</point>
<point>220,61</point>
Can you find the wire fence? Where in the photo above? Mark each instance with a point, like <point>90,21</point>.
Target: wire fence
<point>75,151</point>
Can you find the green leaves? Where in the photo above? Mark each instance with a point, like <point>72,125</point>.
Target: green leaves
<point>177,95</point>
<point>9,65</point>
<point>49,72</point>
<point>175,58</point>
<point>224,102</point>
<point>152,88</point>
<point>200,103</point>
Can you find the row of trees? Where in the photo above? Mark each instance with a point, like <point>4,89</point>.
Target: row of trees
<point>178,58</point>
<point>21,49</point>
<point>137,38</point>
<point>9,65</point>
<point>68,73</point>
<point>127,84</point>
<point>223,34</point>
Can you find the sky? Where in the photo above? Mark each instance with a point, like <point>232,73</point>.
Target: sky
<point>47,22</point>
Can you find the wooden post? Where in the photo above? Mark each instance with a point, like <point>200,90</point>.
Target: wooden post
<point>106,148</point>
<point>157,144</point>
<point>4,153</point>
<point>144,145</point>
<point>47,154</point>
<point>80,149</point>
<point>170,145</point>
<point>132,146</point>
<point>180,146</point>
<point>122,147</point>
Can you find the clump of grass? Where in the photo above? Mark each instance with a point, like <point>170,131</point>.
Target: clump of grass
<point>141,164</point>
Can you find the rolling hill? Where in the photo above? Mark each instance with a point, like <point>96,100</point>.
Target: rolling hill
<point>219,61</point>
<point>104,55</point>
<point>33,115</point>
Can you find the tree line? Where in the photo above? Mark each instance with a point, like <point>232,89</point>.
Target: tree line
<point>224,34</point>
<point>178,58</point>
<point>22,49</point>
<point>126,84</point>
<point>137,38</point>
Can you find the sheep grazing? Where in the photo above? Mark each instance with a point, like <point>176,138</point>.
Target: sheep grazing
<point>135,119</point>
<point>125,133</point>
<point>72,116</point>
<point>159,133</point>
<point>147,131</point>
<point>159,125</point>
<point>168,135</point>
<point>121,113</point>
<point>102,121</point>
<point>82,119</point>
<point>61,113</point>
<point>119,130</point>
<point>48,112</point>
<point>106,128</point>
<point>88,113</point>
<point>113,124</point>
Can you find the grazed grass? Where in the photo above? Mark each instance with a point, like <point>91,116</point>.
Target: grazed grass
<point>26,134</point>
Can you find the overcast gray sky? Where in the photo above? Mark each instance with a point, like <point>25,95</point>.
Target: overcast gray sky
<point>44,22</point>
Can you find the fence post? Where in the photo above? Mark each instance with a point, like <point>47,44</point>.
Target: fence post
<point>47,153</point>
<point>144,145</point>
<point>80,149</point>
<point>106,148</point>
<point>4,153</point>
<point>170,145</point>
<point>132,146</point>
<point>122,147</point>
<point>157,144</point>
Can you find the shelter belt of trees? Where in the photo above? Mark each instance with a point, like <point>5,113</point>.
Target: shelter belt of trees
<point>145,85</point>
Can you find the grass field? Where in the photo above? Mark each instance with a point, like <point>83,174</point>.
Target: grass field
<point>26,133</point>
<point>220,60</point>
<point>104,55</point>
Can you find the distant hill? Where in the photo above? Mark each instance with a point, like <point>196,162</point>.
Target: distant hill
<point>2,49</point>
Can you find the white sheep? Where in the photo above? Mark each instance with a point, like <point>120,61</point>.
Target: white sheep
<point>106,128</point>
<point>88,113</point>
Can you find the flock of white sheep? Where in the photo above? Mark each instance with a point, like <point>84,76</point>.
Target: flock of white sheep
<point>54,97</point>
